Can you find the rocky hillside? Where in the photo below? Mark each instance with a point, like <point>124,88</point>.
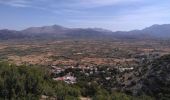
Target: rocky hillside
<point>152,79</point>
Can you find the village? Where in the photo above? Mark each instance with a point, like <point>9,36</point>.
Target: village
<point>67,73</point>
<point>72,74</point>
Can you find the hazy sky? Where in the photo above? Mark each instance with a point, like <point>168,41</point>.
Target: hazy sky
<point>108,14</point>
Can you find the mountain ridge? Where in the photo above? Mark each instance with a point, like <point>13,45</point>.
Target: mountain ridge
<point>154,31</point>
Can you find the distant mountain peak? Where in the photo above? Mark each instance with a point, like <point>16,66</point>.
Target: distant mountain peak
<point>45,29</point>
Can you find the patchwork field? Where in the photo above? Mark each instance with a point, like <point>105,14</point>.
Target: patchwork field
<point>81,52</point>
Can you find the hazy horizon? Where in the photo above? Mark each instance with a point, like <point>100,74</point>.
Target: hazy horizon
<point>115,15</point>
<point>79,27</point>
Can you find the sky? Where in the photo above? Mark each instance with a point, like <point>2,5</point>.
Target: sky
<point>115,15</point>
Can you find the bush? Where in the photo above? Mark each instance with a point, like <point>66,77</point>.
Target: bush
<point>120,96</point>
<point>31,82</point>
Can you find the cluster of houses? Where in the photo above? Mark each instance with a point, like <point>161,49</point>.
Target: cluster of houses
<point>57,70</point>
<point>67,78</point>
<point>91,70</point>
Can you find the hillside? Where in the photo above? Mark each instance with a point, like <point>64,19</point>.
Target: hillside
<point>152,79</point>
<point>11,34</point>
<point>35,83</point>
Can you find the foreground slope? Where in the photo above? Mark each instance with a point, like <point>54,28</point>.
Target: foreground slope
<point>153,79</point>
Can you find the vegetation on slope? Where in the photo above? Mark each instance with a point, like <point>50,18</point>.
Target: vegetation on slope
<point>32,82</point>
<point>154,79</point>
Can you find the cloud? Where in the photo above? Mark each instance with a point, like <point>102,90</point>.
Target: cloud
<point>127,20</point>
<point>109,14</point>
<point>101,3</point>
<point>66,3</point>
<point>16,3</point>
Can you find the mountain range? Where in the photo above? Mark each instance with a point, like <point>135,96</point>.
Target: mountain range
<point>56,31</point>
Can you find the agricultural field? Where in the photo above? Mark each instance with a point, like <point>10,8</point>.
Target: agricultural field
<point>82,52</point>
